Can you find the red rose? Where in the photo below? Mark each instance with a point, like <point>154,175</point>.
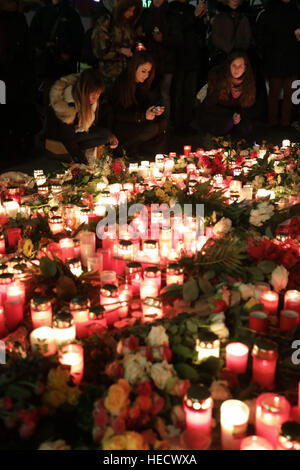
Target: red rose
<point>117,167</point>
<point>144,402</point>
<point>290,259</point>
<point>158,404</point>
<point>239,160</point>
<point>101,419</point>
<point>119,425</point>
<point>132,343</point>
<point>167,353</point>
<point>220,306</point>
<point>145,388</point>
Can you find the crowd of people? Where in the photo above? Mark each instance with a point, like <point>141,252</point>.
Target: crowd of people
<point>140,73</point>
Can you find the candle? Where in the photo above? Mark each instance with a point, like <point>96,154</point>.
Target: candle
<point>256,443</point>
<point>133,168</point>
<point>43,191</point>
<point>75,266</point>
<point>106,258</point>
<point>87,245</point>
<point>151,251</point>
<point>187,150</point>
<point>237,357</point>
<point>208,345</point>
<point>14,305</point>
<point>289,320</point>
<point>42,340</point>
<point>198,406</point>
<point>67,248</point>
<point>108,277</point>
<point>56,224</point>
<point>109,299</point>
<point>260,287</point>
<point>79,309</point>
<point>125,294</point>
<point>152,309</point>
<point>258,320</point>
<point>95,262</point>
<point>264,355</point>
<point>11,207</point>
<point>153,276</point>
<point>41,312</point>
<point>286,143</point>
<point>2,323</point>
<point>13,193</point>
<point>234,422</point>
<point>235,188</point>
<point>13,236</point>
<point>2,244</point>
<point>292,300</point>
<point>64,328</point>
<point>289,436</point>
<point>96,313</point>
<point>134,276</point>
<point>72,355</point>
<point>148,290</point>
<point>270,300</point>
<point>271,411</point>
<point>175,274</point>
<point>5,280</point>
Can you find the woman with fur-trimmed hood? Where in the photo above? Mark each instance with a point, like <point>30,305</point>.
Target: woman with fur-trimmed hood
<point>71,125</point>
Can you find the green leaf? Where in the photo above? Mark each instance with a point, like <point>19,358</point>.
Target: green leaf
<point>185,371</point>
<point>268,233</point>
<point>204,284</point>
<point>182,351</point>
<point>191,326</point>
<point>267,266</point>
<point>48,267</point>
<point>210,274</point>
<point>190,290</point>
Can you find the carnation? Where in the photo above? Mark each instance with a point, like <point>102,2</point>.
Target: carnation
<point>279,278</point>
<point>157,336</point>
<point>222,227</point>
<point>160,373</point>
<point>135,366</point>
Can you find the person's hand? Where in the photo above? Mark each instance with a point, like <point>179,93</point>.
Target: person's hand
<point>236,118</point>
<point>113,142</point>
<point>297,34</point>
<point>157,36</point>
<point>126,51</point>
<point>150,115</point>
<point>158,110</point>
<point>200,9</point>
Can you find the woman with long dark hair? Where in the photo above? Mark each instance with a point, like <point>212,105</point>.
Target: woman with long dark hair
<point>72,117</point>
<point>231,90</point>
<point>137,119</point>
<point>114,38</point>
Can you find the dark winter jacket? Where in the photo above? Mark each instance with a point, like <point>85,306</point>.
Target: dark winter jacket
<point>62,121</point>
<point>168,23</point>
<point>276,38</point>
<point>193,32</point>
<point>231,30</point>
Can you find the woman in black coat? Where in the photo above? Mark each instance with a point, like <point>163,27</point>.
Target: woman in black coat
<point>137,120</point>
<point>231,90</point>
<point>278,36</point>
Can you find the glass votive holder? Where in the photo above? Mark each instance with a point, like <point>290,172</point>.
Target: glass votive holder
<point>79,309</point>
<point>41,312</point>
<point>175,274</point>
<point>148,289</point>
<point>75,266</point>
<point>258,320</point>
<point>42,341</point>
<point>234,423</point>
<point>264,361</point>
<point>95,262</point>
<point>56,224</point>
<point>289,436</point>
<point>152,274</point>
<point>289,320</point>
<point>87,245</point>
<point>64,328</point>
<point>271,411</point>
<point>237,357</point>
<point>108,277</point>
<point>208,345</point>
<point>152,309</point>
<point>72,355</point>
<point>292,300</point>
<point>260,287</point>
<point>198,406</point>
<point>270,300</point>
<point>134,276</point>
<point>256,443</point>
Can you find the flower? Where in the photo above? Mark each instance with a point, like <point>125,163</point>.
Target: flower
<point>58,378</point>
<point>220,330</point>
<point>219,390</point>
<point>178,416</point>
<point>161,372</point>
<point>129,440</point>
<point>117,398</point>
<point>279,278</point>
<point>247,291</point>
<point>135,441</point>
<point>117,442</point>
<point>260,215</point>
<point>222,227</point>
<point>117,167</point>
<point>55,397</point>
<point>27,248</point>
<point>157,336</point>
<point>135,368</point>
<point>55,445</point>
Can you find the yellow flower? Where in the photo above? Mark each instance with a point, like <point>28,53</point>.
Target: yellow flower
<point>117,398</point>
<point>58,378</point>
<point>118,442</point>
<point>27,248</point>
<point>135,441</point>
<point>55,398</point>
<point>73,395</point>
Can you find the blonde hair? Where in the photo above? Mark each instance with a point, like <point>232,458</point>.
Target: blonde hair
<point>89,81</point>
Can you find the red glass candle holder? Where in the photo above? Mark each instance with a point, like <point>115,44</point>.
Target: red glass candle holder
<point>264,361</point>
<point>237,357</point>
<point>270,300</point>
<point>292,300</point>
<point>198,406</point>
<point>258,320</point>
<point>271,411</point>
<point>289,320</point>
<point>13,236</point>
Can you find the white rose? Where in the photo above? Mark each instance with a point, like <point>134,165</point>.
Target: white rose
<point>161,372</point>
<point>220,330</point>
<point>279,169</point>
<point>219,390</point>
<point>222,227</point>
<point>54,445</point>
<point>279,278</point>
<point>247,291</point>
<point>135,368</point>
<point>217,317</point>
<point>157,336</point>
<point>261,214</point>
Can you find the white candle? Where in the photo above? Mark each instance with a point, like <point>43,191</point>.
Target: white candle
<point>148,289</point>
<point>256,443</point>
<point>234,422</point>
<point>11,207</point>
<point>42,340</point>
<point>72,355</point>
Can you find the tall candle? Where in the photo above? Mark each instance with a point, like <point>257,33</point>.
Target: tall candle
<point>14,306</point>
<point>289,320</point>
<point>258,320</point>
<point>270,300</point>
<point>264,356</point>
<point>198,406</point>
<point>292,300</point>
<point>256,443</point>
<point>109,299</point>
<point>271,411</point>
<point>175,274</point>
<point>125,294</point>
<point>2,245</point>
<point>153,275</point>
<point>237,357</point>
<point>87,245</point>
<point>11,207</point>
<point>42,340</point>
<point>64,328</point>
<point>5,280</point>
<point>187,150</point>
<point>148,290</point>
<point>67,248</point>
<point>79,309</point>
<point>134,276</point>
<point>56,224</point>
<point>234,422</point>
<point>72,355</point>
<point>2,323</point>
<point>41,312</point>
